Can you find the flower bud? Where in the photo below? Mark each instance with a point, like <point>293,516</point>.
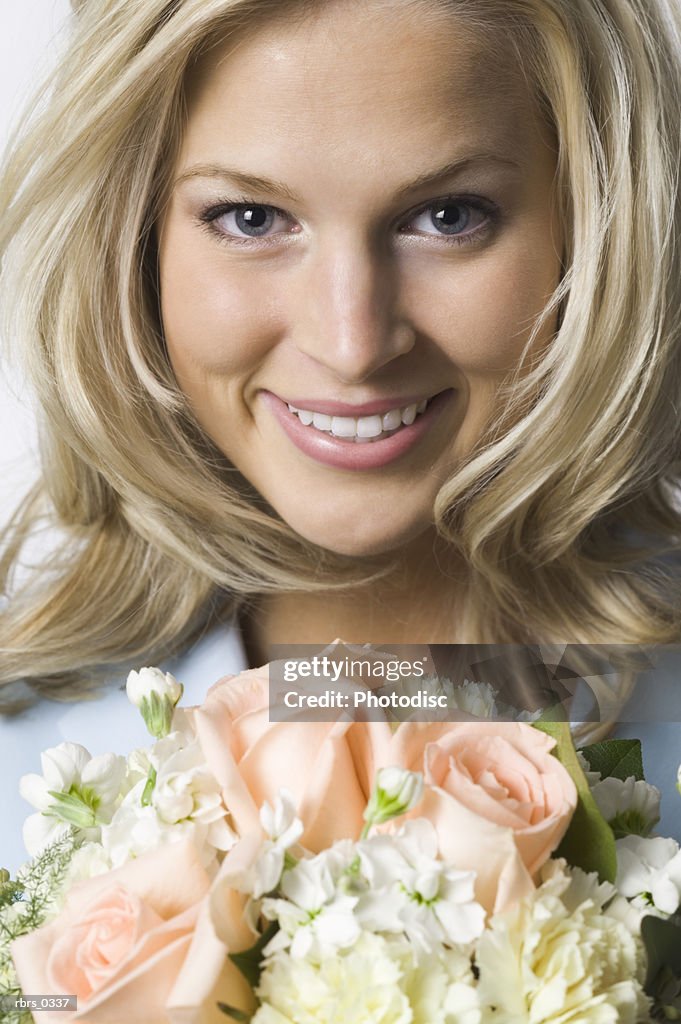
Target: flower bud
<point>156,694</point>
<point>395,792</point>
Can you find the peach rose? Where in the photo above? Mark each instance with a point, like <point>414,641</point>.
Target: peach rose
<point>135,945</point>
<point>328,767</point>
<point>500,801</point>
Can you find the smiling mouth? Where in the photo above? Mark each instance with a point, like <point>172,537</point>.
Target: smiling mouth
<point>361,429</point>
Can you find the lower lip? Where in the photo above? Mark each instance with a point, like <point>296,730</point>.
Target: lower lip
<point>344,454</point>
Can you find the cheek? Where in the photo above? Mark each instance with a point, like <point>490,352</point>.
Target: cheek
<point>218,318</point>
<point>481,311</point>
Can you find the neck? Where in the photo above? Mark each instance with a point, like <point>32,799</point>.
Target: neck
<point>415,603</point>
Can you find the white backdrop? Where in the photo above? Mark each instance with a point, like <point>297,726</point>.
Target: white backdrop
<point>29,41</point>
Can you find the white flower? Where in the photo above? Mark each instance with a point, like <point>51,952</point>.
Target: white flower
<point>377,981</point>
<point>559,957</point>
<point>75,789</point>
<point>650,869</point>
<point>395,792</point>
<point>284,830</point>
<point>156,694</point>
<point>185,788</point>
<point>409,890</point>
<point>141,684</point>
<point>136,829</point>
<point>478,699</point>
<point>315,918</point>
<point>361,987</point>
<point>440,987</point>
<point>280,822</point>
<point>171,795</point>
<point>630,806</point>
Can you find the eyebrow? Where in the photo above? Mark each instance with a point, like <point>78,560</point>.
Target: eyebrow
<point>253,182</point>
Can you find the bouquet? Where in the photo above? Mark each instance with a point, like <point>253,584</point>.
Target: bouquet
<point>240,869</point>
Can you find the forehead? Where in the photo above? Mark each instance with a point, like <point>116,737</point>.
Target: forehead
<point>371,81</point>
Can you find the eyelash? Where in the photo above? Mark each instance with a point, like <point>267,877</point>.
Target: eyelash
<point>208,217</point>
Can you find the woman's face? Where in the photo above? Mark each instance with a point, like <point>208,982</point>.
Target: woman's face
<point>360,234</point>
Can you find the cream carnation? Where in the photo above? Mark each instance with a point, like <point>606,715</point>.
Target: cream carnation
<point>378,981</point>
<point>558,956</point>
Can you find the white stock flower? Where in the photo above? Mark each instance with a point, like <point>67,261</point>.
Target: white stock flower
<point>560,957</point>
<point>280,822</point>
<point>156,694</point>
<point>185,788</point>
<point>75,790</point>
<point>649,871</point>
<point>172,795</point>
<point>377,981</point>
<point>137,829</point>
<point>142,683</point>
<point>396,791</point>
<point>283,829</point>
<point>316,918</point>
<point>630,806</point>
<point>409,890</point>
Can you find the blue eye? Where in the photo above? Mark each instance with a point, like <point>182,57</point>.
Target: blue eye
<point>455,219</point>
<point>246,220</point>
<point>450,217</point>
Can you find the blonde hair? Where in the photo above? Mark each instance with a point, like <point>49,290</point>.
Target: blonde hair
<point>161,534</point>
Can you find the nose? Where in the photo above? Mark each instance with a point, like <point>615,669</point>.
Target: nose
<point>348,318</point>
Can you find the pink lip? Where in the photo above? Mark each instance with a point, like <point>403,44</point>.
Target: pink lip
<point>343,454</point>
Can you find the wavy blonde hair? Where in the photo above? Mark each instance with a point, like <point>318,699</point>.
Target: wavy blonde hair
<point>565,510</point>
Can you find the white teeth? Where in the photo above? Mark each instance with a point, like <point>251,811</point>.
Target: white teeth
<point>369,426</point>
<point>360,429</point>
<point>392,420</point>
<point>343,426</point>
<point>321,421</point>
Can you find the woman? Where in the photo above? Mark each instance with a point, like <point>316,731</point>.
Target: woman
<point>352,319</point>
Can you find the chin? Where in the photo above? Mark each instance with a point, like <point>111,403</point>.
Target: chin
<point>359,540</point>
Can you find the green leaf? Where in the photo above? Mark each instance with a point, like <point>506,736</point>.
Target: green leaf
<point>231,1011</point>
<point>662,939</point>
<point>249,961</point>
<point>74,807</point>
<point>589,842</point>
<point>617,759</point>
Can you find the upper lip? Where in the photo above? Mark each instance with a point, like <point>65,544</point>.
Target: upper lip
<point>373,408</point>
